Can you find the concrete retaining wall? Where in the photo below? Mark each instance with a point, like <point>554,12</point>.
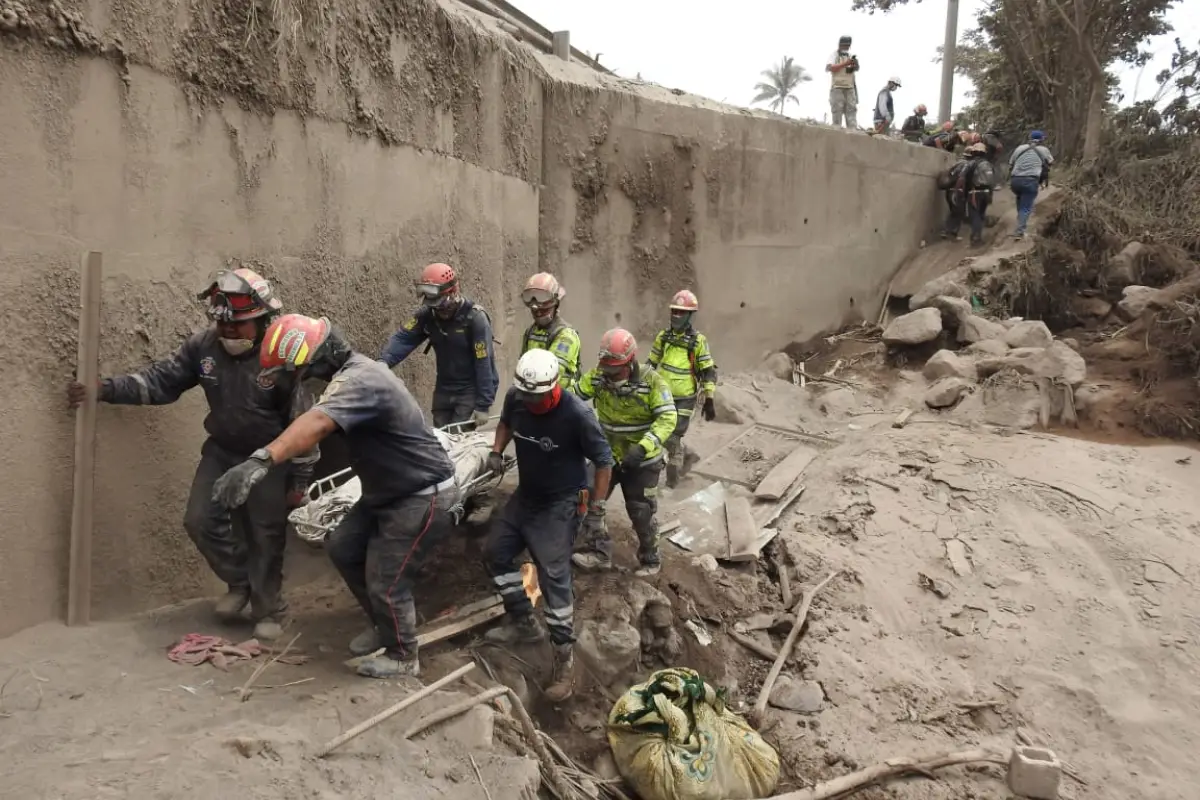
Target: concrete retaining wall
<point>340,166</point>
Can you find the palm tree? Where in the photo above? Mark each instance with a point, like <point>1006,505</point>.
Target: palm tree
<point>781,81</point>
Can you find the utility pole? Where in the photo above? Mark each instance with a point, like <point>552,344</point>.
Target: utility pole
<point>949,52</point>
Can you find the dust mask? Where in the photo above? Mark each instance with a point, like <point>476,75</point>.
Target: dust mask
<point>237,347</point>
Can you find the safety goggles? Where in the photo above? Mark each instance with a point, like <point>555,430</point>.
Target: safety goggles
<point>537,298</point>
<point>224,307</point>
<point>434,295</point>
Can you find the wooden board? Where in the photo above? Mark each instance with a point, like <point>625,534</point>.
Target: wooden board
<point>443,632</point>
<point>87,371</point>
<point>784,474</point>
<point>752,552</point>
<point>739,520</point>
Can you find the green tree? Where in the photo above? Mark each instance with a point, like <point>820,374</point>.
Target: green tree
<point>780,85</point>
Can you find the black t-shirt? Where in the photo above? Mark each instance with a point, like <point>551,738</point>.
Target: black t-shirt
<point>553,448</point>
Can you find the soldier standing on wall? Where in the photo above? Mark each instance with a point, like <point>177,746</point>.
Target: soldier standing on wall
<point>460,334</point>
<point>245,548</point>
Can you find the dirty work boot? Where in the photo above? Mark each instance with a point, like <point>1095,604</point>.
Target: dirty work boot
<point>387,666</point>
<point>591,561</point>
<point>651,564</point>
<point>522,630</point>
<point>562,681</point>
<point>672,474</point>
<point>230,605</point>
<point>365,643</point>
<point>268,629</point>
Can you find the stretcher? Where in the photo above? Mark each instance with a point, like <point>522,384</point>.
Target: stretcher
<point>332,496</point>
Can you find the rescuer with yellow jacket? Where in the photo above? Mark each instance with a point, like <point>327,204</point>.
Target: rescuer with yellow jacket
<point>681,356</point>
<point>637,414</point>
<point>542,296</point>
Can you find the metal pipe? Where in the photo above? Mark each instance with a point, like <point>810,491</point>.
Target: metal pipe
<point>949,55</point>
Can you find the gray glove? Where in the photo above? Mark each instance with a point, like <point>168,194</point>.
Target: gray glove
<point>480,418</point>
<point>233,488</point>
<point>495,462</point>
<point>593,523</point>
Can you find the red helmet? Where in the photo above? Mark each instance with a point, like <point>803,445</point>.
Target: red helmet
<point>542,291</point>
<point>685,300</point>
<point>617,348</point>
<point>238,295</point>
<point>292,342</point>
<point>437,284</point>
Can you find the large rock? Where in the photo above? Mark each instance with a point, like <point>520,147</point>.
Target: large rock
<point>1134,301</point>
<point>988,347</point>
<point>1056,361</point>
<point>735,405</point>
<point>780,365</point>
<point>973,329</point>
<point>1029,333</point>
<point>948,364</point>
<point>804,697</point>
<point>955,283</point>
<point>954,309</point>
<point>916,327</point>
<point>946,392</point>
<point>1011,401</point>
<point>610,648</point>
<point>1090,309</point>
<point>1122,269</point>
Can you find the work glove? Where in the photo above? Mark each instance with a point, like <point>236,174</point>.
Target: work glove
<point>709,410</point>
<point>593,522</point>
<point>495,463</point>
<point>480,418</point>
<point>77,393</point>
<point>233,488</point>
<point>634,456</point>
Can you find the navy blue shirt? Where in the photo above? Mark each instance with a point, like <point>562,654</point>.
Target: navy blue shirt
<point>462,345</point>
<point>553,448</point>
<point>392,450</point>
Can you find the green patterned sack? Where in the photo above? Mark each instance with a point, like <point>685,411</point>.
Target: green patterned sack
<point>673,739</point>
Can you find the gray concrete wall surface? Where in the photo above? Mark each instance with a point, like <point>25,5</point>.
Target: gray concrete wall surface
<point>338,158</point>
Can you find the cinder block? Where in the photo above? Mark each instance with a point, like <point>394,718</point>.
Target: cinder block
<point>1034,772</point>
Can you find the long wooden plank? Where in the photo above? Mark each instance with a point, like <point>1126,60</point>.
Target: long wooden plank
<point>87,371</point>
<point>752,552</point>
<point>462,626</point>
<point>740,522</point>
<point>784,473</point>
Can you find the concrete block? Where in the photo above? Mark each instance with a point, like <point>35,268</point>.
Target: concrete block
<point>1034,772</point>
<point>561,43</point>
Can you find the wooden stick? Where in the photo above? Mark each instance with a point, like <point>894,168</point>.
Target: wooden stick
<point>752,646</point>
<point>392,711</point>
<point>87,372</point>
<point>479,777</point>
<point>244,692</point>
<point>760,706</point>
<point>902,418</point>
<point>892,768</point>
<point>780,557</point>
<point>558,782</point>
<point>449,712</point>
<point>464,624</point>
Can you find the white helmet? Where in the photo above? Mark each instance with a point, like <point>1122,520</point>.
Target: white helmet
<point>894,80</point>
<point>537,372</point>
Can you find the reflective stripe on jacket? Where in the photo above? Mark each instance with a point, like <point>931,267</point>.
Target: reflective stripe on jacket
<point>642,412</point>
<point>560,339</point>
<point>684,361</point>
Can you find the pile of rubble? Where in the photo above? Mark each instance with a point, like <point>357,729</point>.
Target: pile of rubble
<point>1028,376</point>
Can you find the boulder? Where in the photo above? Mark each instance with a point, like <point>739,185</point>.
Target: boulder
<point>954,283</point>
<point>948,364</point>
<point>1134,301</point>
<point>977,329</point>
<point>780,365</point>
<point>609,642</point>
<point>916,327</point>
<point>1072,367</point>
<point>1056,361</point>
<point>735,405</point>
<point>1122,269</point>
<point>988,347</point>
<point>804,697</point>
<point>1011,401</point>
<point>474,730</point>
<point>946,392</point>
<point>1029,333</point>
<point>1071,343</point>
<point>953,309</point>
<point>1090,309</point>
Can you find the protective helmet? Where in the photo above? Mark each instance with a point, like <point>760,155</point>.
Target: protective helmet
<point>921,110</point>
<point>685,300</point>
<point>617,348</point>
<point>978,149</point>
<point>292,342</point>
<point>894,80</point>
<point>844,40</point>
<point>947,126</point>
<point>542,291</point>
<point>437,284</point>
<point>238,295</point>
<point>537,372</point>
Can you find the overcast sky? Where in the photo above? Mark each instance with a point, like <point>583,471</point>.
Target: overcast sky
<point>718,49</point>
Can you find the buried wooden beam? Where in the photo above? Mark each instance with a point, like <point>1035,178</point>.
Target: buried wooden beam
<point>785,473</point>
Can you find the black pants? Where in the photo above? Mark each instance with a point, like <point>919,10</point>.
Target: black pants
<point>972,206</point>
<point>547,530</point>
<point>640,489</point>
<point>377,550</point>
<point>685,407</point>
<point>244,547</point>
<point>451,407</point>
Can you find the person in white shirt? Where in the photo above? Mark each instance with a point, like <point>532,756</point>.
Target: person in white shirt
<point>843,94</point>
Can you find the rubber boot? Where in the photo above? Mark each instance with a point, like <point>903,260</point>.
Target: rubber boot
<point>388,666</point>
<point>365,643</point>
<point>522,630</point>
<point>562,681</point>
<point>230,605</point>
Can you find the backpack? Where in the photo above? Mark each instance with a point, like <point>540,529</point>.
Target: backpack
<point>1044,176</point>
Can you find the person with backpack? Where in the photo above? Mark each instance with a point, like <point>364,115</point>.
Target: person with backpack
<point>1029,168</point>
<point>970,194</point>
<point>913,129</point>
<point>542,296</point>
<point>681,355</point>
<point>460,334</point>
